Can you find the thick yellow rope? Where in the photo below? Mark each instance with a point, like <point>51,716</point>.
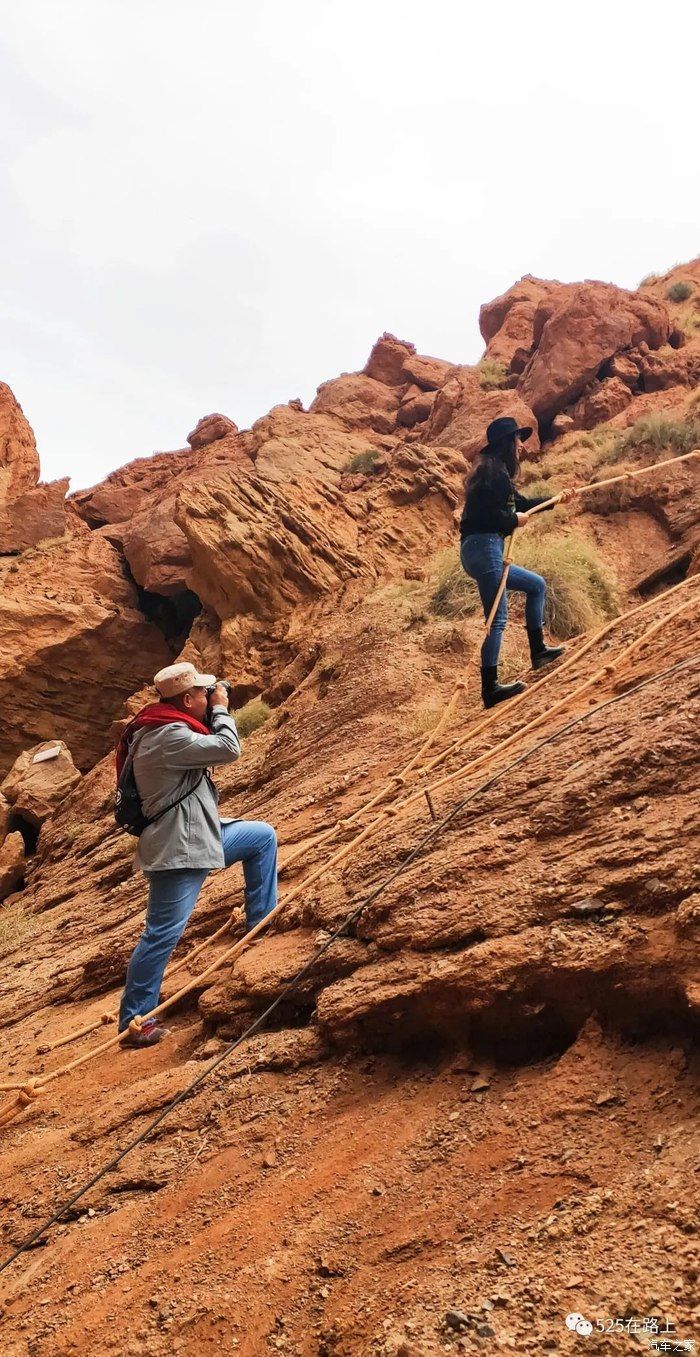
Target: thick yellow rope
<point>27,1092</point>
<point>392,788</point>
<point>33,1088</point>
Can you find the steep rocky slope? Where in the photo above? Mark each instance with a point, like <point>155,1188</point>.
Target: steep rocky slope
<point>481,1099</point>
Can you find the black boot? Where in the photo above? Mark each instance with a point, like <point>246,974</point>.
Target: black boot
<point>540,652</point>
<point>492,691</point>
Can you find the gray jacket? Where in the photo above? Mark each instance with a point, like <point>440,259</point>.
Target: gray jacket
<point>168,761</point>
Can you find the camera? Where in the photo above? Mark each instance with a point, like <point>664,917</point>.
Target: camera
<point>224,684</point>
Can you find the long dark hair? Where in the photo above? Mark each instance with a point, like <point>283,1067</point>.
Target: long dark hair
<point>490,465</point>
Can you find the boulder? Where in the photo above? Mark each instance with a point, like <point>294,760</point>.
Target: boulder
<point>601,402</point>
<point>462,411</point>
<point>5,810</point>
<point>262,538</point>
<point>626,367</point>
<point>576,335</point>
<point>12,863</point>
<point>156,549</point>
<point>670,367</point>
<point>415,407</point>
<point>387,359</point>
<point>33,516</point>
<point>427,373</point>
<point>506,323</point>
<point>562,424</point>
<point>39,780</point>
<point>210,429</point>
<point>19,459</point>
<point>360,401</point>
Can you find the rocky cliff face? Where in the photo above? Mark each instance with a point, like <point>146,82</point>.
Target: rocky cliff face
<point>475,1091</point>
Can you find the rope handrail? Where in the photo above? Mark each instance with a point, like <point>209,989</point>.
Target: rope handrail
<point>33,1088</point>
<point>395,782</point>
<point>436,830</point>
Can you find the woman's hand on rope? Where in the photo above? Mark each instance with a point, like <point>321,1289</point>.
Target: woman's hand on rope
<point>566,495</point>
<point>522,520</point>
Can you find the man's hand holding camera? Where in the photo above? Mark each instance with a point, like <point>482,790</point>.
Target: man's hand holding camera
<point>219,695</point>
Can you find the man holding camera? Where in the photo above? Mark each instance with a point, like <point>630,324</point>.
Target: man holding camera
<point>173,749</point>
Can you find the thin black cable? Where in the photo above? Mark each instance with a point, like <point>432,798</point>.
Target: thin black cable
<point>292,984</point>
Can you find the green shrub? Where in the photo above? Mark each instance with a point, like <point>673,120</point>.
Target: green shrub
<point>597,439</point>
<point>15,925</point>
<point>252,715</point>
<point>690,322</point>
<point>492,374</point>
<point>362,462</point>
<point>679,292</point>
<point>426,718</point>
<point>580,588</point>
<point>656,433</point>
<point>540,488</point>
<point>454,593</point>
<point>329,667</point>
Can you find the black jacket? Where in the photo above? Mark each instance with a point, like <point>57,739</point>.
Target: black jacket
<point>492,503</point>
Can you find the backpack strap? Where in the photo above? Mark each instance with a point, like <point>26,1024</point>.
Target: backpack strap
<point>130,759</point>
<point>180,799</point>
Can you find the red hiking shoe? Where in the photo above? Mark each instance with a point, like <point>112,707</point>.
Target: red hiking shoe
<point>149,1035</point>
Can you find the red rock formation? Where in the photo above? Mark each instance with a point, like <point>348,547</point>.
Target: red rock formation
<point>209,430</point>
<point>566,890</point>
<point>415,407</point>
<point>19,460</point>
<point>575,337</point>
<point>73,645</point>
<point>359,401</point>
<point>33,516</point>
<point>121,495</point>
<point>669,367</point>
<point>463,410</point>
<point>387,360</point>
<point>602,401</point>
<point>429,374</point>
<point>4,816</point>
<point>507,322</point>
<point>268,536</point>
<point>35,789</point>
<point>12,863</point>
<point>136,506</point>
<point>29,512</point>
<point>660,284</point>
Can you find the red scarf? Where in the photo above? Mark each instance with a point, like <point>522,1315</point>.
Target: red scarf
<point>155,714</point>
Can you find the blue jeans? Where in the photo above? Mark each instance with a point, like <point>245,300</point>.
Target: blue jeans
<point>481,555</point>
<point>172,896</point>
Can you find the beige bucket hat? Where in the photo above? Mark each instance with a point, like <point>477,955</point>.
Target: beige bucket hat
<point>177,678</point>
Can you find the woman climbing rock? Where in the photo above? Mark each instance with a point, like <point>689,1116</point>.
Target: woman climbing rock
<point>492,510</point>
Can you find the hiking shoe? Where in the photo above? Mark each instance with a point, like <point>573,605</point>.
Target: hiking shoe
<point>493,692</point>
<point>540,652</point>
<point>151,1033</point>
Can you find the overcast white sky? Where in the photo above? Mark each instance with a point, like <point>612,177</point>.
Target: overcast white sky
<point>217,206</point>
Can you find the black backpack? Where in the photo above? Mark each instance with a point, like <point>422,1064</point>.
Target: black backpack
<point>128,811</point>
